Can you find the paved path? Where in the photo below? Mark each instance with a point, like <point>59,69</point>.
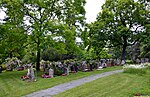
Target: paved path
<point>66,86</point>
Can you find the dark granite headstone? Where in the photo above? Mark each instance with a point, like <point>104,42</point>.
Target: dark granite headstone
<point>0,69</point>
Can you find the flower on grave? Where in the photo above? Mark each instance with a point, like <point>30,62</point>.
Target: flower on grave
<point>137,94</point>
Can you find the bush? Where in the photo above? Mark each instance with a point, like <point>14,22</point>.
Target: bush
<point>3,67</point>
<point>58,72</point>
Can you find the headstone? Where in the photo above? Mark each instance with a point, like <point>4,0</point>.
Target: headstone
<point>46,71</point>
<point>109,62</point>
<point>9,68</point>
<point>30,73</point>
<point>118,62</point>
<point>99,63</point>
<point>115,62</point>
<point>112,63</point>
<point>91,67</point>
<point>147,60</point>
<point>142,60</point>
<point>138,61</point>
<point>72,68</point>
<point>0,69</point>
<point>51,73</point>
<point>66,70</point>
<point>123,62</point>
<point>104,65</point>
<point>76,68</point>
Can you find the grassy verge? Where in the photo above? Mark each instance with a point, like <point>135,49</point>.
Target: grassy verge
<point>12,86</point>
<point>118,85</point>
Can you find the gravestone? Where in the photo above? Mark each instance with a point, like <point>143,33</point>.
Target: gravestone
<point>123,62</point>
<point>46,71</point>
<point>99,63</point>
<point>9,68</point>
<point>104,65</point>
<point>66,70</point>
<point>138,61</point>
<point>147,60</point>
<point>142,60</point>
<point>0,69</point>
<point>30,73</point>
<point>51,73</point>
<point>118,62</point>
<point>109,62</point>
<point>72,68</point>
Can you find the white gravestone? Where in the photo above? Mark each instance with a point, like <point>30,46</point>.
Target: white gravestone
<point>51,73</point>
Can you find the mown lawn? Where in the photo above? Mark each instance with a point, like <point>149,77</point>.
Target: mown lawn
<point>12,86</point>
<point>118,85</point>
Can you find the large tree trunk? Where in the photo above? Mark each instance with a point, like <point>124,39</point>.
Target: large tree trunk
<point>38,60</point>
<point>38,56</point>
<point>124,49</point>
<point>10,54</point>
<point>123,52</point>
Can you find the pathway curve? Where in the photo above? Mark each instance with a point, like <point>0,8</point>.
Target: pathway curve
<point>66,86</point>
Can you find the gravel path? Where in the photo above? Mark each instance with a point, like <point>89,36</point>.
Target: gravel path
<point>66,86</point>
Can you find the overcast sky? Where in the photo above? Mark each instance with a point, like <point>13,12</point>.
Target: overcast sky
<point>93,7</point>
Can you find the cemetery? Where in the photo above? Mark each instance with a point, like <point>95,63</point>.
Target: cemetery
<point>74,48</point>
<point>60,72</point>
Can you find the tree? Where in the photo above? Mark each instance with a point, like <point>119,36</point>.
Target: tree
<point>12,31</point>
<point>120,23</point>
<point>48,18</point>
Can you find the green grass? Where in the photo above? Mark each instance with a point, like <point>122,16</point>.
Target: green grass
<point>135,71</point>
<point>118,85</point>
<point>12,86</point>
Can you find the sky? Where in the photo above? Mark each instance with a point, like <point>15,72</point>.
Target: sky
<point>2,14</point>
<point>92,7</point>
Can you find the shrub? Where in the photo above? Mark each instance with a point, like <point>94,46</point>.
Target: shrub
<point>129,62</point>
<point>3,66</point>
<point>58,72</point>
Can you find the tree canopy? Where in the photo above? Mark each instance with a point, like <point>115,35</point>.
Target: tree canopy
<point>42,21</point>
<point>120,24</point>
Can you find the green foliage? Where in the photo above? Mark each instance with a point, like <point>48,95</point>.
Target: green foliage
<point>36,24</point>
<point>104,54</point>
<point>29,58</point>
<point>145,52</point>
<point>120,24</point>
<point>89,55</point>
<point>129,62</point>
<point>51,54</point>
<point>3,66</point>
<point>58,72</point>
